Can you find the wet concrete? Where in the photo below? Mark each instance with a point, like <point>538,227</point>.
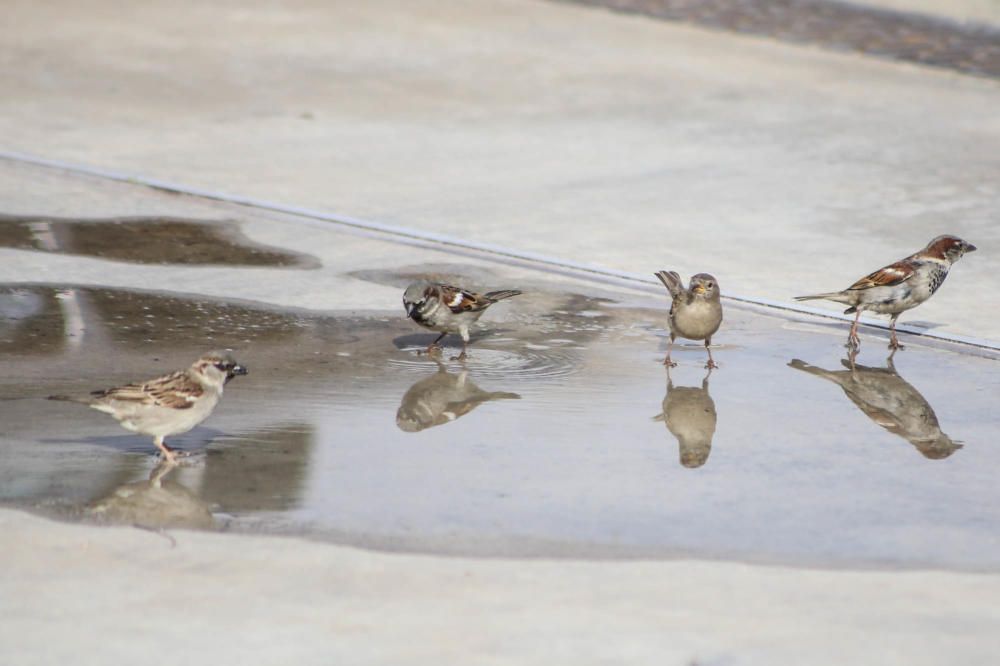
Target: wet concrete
<point>145,240</point>
<point>549,441</point>
<point>842,26</point>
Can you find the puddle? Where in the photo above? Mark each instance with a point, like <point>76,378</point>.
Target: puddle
<point>563,435</point>
<point>145,240</point>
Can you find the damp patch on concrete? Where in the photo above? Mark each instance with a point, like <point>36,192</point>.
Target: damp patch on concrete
<point>146,240</point>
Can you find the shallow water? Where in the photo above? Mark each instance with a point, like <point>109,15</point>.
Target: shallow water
<point>563,435</point>
<point>145,240</point>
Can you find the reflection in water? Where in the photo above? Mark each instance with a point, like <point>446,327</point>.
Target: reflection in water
<point>41,319</point>
<point>157,502</point>
<point>145,240</point>
<point>265,471</point>
<point>891,402</point>
<point>689,413</point>
<point>442,398</point>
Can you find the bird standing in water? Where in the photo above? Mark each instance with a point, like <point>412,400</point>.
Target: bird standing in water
<point>168,405</point>
<point>898,287</point>
<point>448,309</point>
<point>695,312</point>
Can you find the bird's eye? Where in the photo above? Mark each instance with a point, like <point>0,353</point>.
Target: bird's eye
<point>221,366</point>
<point>710,285</point>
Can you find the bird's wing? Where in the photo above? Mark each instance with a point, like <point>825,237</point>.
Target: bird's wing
<point>460,300</point>
<point>176,391</point>
<point>887,276</point>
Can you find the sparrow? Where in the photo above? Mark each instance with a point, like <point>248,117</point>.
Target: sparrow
<point>447,309</point>
<point>898,287</point>
<point>695,312</point>
<point>689,413</point>
<point>442,398</point>
<point>891,402</point>
<point>168,405</point>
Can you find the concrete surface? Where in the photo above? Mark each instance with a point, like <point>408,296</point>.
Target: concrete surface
<point>116,596</point>
<point>614,140</point>
<point>577,133</point>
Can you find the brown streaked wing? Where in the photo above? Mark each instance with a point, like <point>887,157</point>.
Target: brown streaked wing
<point>460,300</point>
<point>175,391</point>
<point>885,277</point>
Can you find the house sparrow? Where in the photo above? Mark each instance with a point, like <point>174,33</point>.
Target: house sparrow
<point>896,288</point>
<point>442,398</point>
<point>689,413</point>
<point>167,405</point>
<point>695,312</point>
<point>446,309</point>
<point>891,402</point>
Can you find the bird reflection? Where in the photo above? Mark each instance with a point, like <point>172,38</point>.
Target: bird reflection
<point>891,402</point>
<point>442,398</point>
<point>156,502</point>
<point>689,413</point>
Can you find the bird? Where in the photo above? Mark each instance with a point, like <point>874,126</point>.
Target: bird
<point>168,405</point>
<point>442,398</point>
<point>448,309</point>
<point>898,287</point>
<point>695,312</point>
<point>689,414</point>
<point>891,402</point>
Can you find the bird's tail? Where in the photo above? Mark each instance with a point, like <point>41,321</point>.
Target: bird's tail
<point>671,280</point>
<point>831,296</point>
<point>500,395</point>
<point>70,398</point>
<point>502,294</point>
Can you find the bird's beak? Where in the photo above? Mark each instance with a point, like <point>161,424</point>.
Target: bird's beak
<point>238,370</point>
<point>699,289</point>
<point>409,308</point>
<point>969,247</point>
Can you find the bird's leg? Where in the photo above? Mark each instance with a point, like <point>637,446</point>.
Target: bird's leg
<point>433,347</point>
<point>894,343</point>
<point>711,362</point>
<point>165,451</point>
<point>670,347</point>
<point>465,346</point>
<point>853,341</point>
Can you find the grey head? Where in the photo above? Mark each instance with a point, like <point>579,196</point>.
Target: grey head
<point>416,295</point>
<point>218,367</point>
<point>704,286</point>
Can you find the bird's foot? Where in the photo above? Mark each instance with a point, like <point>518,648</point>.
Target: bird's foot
<point>711,365</point>
<point>670,364</point>
<point>853,343</point>
<point>895,344</point>
<point>461,357</point>
<point>433,350</point>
